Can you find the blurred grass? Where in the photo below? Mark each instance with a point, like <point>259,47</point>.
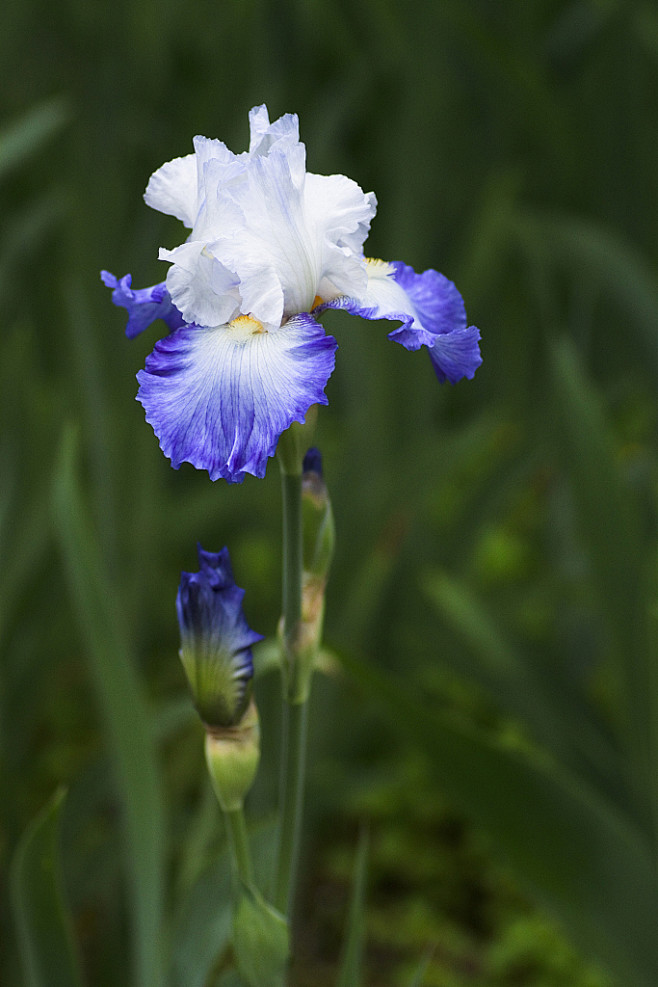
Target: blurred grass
<point>42,921</point>
<point>496,540</point>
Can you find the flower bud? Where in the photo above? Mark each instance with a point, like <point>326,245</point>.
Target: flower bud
<point>216,641</point>
<point>318,532</point>
<point>301,649</point>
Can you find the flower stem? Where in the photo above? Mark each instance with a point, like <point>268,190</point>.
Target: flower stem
<point>294,704</point>
<point>236,831</point>
<point>292,566</point>
<point>292,803</point>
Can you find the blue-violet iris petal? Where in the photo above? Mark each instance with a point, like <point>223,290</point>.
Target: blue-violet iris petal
<point>430,309</point>
<point>220,398</point>
<point>144,305</point>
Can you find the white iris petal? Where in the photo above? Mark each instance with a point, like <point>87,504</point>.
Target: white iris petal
<point>173,189</point>
<point>264,135</point>
<point>204,291</point>
<point>265,232</point>
<point>384,293</point>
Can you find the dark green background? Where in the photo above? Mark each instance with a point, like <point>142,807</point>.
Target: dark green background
<point>513,146</point>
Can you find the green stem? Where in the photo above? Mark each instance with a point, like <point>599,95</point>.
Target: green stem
<point>294,711</point>
<point>292,570</point>
<point>292,803</point>
<point>236,830</point>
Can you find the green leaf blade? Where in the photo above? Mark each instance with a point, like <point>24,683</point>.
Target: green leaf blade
<point>125,714</point>
<point>352,959</point>
<point>589,864</point>
<point>260,939</point>
<point>43,923</point>
<point>202,928</point>
<point>21,140</point>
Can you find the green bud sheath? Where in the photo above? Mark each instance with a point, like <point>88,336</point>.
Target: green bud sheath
<point>318,532</point>
<point>301,641</point>
<point>232,755</point>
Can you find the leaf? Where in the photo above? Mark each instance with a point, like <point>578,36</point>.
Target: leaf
<point>607,512</point>
<point>230,979</point>
<point>260,939</point>
<point>555,717</point>
<point>24,138</point>
<point>352,958</point>
<point>419,975</point>
<point>42,919</point>
<point>651,633</point>
<point>202,928</point>
<point>583,859</point>
<point>617,265</point>
<point>23,533</point>
<point>608,520</point>
<point>126,718</point>
<point>23,234</point>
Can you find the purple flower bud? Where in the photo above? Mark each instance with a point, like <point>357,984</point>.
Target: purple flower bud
<point>216,640</point>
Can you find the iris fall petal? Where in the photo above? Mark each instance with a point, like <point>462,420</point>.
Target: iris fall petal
<point>220,398</point>
<point>144,305</point>
<point>431,311</point>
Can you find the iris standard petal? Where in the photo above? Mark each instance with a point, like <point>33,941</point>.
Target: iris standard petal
<point>294,229</point>
<point>204,291</point>
<point>144,305</point>
<point>220,398</point>
<point>341,209</point>
<point>173,189</point>
<point>430,309</point>
<point>265,135</point>
<point>269,234</point>
<point>263,226</point>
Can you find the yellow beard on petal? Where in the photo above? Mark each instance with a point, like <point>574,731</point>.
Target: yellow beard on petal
<point>245,326</point>
<point>377,268</point>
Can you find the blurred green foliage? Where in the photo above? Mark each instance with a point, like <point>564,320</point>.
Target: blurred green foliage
<point>493,597</point>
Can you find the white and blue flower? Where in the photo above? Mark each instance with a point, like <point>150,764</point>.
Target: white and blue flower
<point>271,246</point>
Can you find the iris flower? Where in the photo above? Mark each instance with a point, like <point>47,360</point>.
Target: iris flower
<point>271,246</point>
